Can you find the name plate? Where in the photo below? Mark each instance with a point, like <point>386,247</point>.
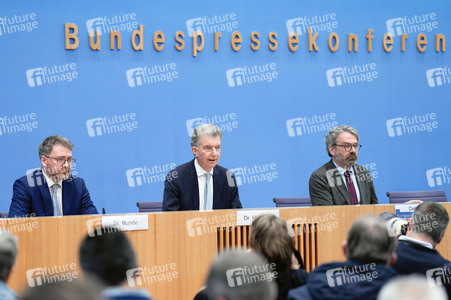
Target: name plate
<point>127,223</point>
<point>405,211</point>
<point>245,217</point>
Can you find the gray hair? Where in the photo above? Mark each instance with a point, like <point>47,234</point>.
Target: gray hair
<point>369,241</point>
<point>412,287</point>
<point>331,138</point>
<point>8,252</point>
<point>47,145</point>
<point>430,219</point>
<point>204,129</point>
<point>219,277</point>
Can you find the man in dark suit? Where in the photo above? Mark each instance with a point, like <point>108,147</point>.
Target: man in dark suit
<point>416,250</point>
<point>51,190</point>
<point>201,184</point>
<point>340,181</point>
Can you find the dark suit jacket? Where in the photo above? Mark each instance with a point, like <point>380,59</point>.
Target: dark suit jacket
<point>31,195</point>
<point>326,186</point>
<point>415,258</point>
<point>181,189</point>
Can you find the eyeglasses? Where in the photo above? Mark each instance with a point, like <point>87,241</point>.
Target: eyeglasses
<point>348,147</point>
<point>61,161</point>
<point>209,149</point>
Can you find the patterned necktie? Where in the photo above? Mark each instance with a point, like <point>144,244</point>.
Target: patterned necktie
<point>208,193</point>
<point>351,188</point>
<point>56,205</point>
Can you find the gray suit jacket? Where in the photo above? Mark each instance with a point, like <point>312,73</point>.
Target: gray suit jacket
<point>326,187</point>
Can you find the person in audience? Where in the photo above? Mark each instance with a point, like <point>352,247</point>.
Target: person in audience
<point>240,275</point>
<point>416,250</point>
<point>341,181</point>
<point>412,287</point>
<point>201,184</point>
<point>51,190</point>
<point>8,252</point>
<point>109,258</point>
<point>270,236</point>
<point>63,290</point>
<point>369,251</point>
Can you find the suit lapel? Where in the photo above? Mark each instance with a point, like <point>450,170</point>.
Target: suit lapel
<point>216,187</point>
<point>68,190</point>
<point>195,199</point>
<point>341,187</point>
<point>46,198</point>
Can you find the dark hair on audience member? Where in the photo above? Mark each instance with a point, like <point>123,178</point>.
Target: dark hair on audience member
<point>8,252</point>
<point>47,145</point>
<point>430,219</point>
<point>107,256</point>
<point>269,236</point>
<point>369,242</point>
<point>64,290</point>
<point>332,136</point>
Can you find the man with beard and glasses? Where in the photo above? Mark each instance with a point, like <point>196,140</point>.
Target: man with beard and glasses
<point>341,181</point>
<point>51,190</point>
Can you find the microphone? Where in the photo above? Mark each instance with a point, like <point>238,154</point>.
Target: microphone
<point>103,210</point>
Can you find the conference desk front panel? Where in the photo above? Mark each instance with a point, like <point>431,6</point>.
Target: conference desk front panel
<point>175,253</point>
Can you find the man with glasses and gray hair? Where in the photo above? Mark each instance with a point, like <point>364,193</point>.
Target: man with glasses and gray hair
<point>51,190</point>
<point>201,184</point>
<point>341,181</point>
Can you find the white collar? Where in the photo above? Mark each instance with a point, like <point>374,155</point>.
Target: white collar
<point>409,239</point>
<point>50,182</point>
<point>199,170</point>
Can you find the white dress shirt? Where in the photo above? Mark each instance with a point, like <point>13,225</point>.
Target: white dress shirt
<point>342,173</point>
<point>201,182</point>
<point>59,193</point>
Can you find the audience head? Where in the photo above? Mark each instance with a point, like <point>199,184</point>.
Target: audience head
<point>8,252</point>
<point>229,277</point>
<point>429,220</point>
<point>412,287</point>
<point>107,257</point>
<point>63,290</point>
<point>369,242</point>
<point>271,238</point>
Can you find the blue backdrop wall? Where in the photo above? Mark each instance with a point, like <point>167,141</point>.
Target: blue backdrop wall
<point>129,113</point>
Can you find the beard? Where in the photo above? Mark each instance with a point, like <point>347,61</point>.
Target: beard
<point>347,161</point>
